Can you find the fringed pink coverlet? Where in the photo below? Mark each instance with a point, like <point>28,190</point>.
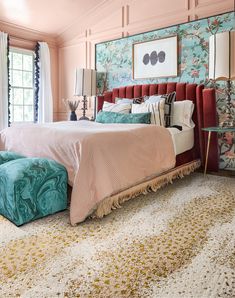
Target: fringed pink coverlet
<point>101,159</point>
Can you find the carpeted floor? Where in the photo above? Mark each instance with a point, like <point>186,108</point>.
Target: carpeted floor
<point>177,242</point>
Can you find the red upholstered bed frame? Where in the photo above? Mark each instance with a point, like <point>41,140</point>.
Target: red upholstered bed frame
<point>204,114</point>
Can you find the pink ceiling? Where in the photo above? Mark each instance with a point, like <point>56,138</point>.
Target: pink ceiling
<point>49,16</point>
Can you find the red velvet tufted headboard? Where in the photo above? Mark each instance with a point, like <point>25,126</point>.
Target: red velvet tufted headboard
<point>204,114</point>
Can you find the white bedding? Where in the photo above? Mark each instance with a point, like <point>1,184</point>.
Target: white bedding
<point>183,140</point>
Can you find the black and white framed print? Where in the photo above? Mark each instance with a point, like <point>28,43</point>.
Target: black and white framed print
<point>155,58</point>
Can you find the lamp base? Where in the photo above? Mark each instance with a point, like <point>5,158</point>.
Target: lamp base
<point>84,118</point>
<point>84,108</point>
<point>230,117</point>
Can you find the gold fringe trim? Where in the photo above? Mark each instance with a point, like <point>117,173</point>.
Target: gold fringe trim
<point>113,202</point>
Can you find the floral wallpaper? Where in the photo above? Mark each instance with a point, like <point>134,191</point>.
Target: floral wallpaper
<point>114,66</point>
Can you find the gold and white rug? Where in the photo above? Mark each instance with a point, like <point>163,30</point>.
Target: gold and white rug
<point>177,242</point>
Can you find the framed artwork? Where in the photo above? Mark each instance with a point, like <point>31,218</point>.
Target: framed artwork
<point>156,58</point>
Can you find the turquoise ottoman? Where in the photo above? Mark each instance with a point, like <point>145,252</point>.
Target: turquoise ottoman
<point>6,156</point>
<point>31,188</point>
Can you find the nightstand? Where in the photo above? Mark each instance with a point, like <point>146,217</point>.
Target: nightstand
<point>216,129</point>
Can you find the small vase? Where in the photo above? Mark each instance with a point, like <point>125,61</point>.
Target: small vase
<point>73,116</point>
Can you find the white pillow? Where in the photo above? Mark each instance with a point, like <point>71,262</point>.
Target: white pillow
<point>182,113</point>
<point>124,108</point>
<point>169,105</point>
<point>123,100</point>
<point>153,98</point>
<point>156,109</point>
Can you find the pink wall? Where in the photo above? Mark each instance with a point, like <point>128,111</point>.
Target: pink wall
<point>69,58</point>
<point>26,39</point>
<point>116,19</point>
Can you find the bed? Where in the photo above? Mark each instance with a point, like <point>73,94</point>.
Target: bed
<point>108,164</point>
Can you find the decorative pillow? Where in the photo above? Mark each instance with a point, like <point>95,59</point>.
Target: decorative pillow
<point>169,107</point>
<point>156,109</point>
<point>124,108</point>
<point>137,100</point>
<point>182,114</point>
<point>123,100</point>
<point>169,100</point>
<point>6,156</point>
<point>111,117</point>
<point>152,98</point>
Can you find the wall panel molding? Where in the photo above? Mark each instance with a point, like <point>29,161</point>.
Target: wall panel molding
<point>204,3</point>
<point>123,16</point>
<point>113,22</point>
<point>127,15</point>
<point>187,4</point>
<point>161,23</point>
<point>136,16</point>
<point>104,36</point>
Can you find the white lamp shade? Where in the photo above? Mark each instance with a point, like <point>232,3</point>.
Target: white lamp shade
<point>85,82</point>
<point>222,56</point>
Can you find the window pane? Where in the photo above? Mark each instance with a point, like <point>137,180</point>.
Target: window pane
<point>28,97</point>
<point>11,95</point>
<point>11,79</point>
<point>10,58</point>
<point>18,113</point>
<point>27,62</point>
<point>11,113</point>
<point>17,78</point>
<point>27,79</point>
<point>28,113</point>
<point>17,60</point>
<point>21,80</point>
<point>18,96</point>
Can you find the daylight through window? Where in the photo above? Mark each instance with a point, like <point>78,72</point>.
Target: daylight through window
<point>22,85</point>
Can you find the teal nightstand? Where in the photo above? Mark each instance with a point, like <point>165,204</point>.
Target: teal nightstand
<point>216,129</point>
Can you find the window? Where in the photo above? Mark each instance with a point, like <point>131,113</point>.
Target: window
<point>22,85</point>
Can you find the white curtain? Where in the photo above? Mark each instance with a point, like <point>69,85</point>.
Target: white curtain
<point>3,81</point>
<point>45,100</point>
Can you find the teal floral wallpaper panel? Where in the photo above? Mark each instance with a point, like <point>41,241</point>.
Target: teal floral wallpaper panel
<point>114,66</point>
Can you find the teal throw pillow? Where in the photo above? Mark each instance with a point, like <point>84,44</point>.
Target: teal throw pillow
<point>112,117</point>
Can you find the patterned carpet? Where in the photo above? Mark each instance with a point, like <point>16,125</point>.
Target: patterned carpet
<point>177,242</point>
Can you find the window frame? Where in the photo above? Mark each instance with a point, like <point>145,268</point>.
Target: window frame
<point>11,69</point>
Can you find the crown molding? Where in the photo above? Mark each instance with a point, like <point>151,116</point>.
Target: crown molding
<point>27,35</point>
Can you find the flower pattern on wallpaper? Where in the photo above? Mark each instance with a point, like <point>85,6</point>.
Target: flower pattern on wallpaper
<point>114,66</point>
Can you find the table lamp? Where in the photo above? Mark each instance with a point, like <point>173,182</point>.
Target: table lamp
<point>85,85</point>
<point>222,66</point>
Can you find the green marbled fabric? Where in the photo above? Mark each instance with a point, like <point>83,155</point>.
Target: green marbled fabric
<point>31,188</point>
<point>112,117</point>
<point>6,156</point>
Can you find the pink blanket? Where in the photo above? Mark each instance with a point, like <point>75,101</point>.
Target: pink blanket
<point>101,159</point>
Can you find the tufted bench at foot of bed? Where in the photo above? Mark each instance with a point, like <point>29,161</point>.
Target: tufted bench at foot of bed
<point>31,188</point>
